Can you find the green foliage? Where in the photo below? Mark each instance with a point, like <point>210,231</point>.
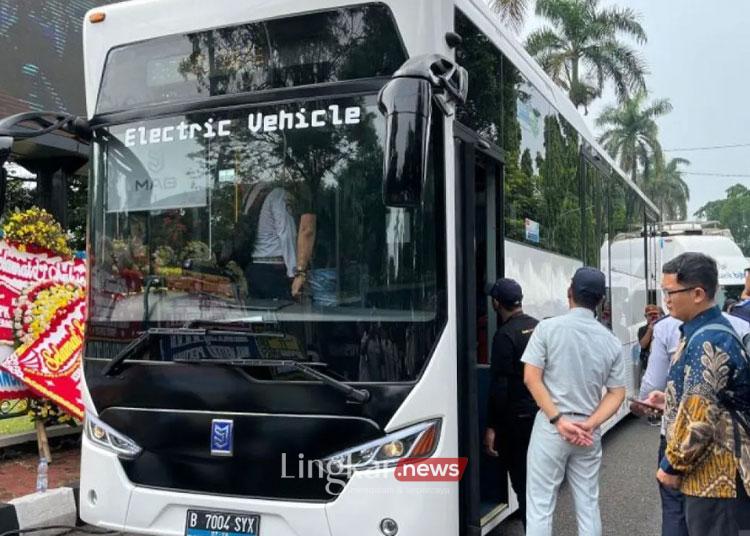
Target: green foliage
<point>78,194</point>
<point>631,134</point>
<point>512,12</point>
<point>581,49</point>
<point>733,212</point>
<point>666,188</point>
<point>19,195</point>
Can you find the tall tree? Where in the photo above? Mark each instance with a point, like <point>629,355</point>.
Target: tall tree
<point>512,12</point>
<point>582,48</point>
<point>733,212</point>
<point>631,134</point>
<point>668,190</point>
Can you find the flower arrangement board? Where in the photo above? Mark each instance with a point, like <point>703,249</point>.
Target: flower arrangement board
<point>11,388</point>
<point>42,310</point>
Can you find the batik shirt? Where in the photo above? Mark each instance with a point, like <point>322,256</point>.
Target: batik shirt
<point>701,443</point>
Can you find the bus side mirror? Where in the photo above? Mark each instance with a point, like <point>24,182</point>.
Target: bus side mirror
<point>406,104</point>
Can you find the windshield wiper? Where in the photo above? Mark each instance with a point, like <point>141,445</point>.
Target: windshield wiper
<point>136,345</point>
<point>358,395</point>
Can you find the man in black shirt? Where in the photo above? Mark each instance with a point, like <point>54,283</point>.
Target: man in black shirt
<point>646,333</point>
<point>510,408</point>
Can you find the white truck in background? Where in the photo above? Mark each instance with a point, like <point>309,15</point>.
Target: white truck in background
<point>674,238</point>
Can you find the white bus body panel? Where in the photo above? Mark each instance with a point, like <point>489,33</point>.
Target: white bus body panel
<point>543,276</point>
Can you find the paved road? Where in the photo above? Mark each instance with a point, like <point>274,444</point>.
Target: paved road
<point>629,496</point>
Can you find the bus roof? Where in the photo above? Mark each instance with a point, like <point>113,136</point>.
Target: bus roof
<point>139,20</point>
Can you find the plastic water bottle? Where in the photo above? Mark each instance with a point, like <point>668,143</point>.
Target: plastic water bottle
<point>41,475</point>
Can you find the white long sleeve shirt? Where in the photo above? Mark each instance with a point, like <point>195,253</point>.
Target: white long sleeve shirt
<point>277,231</point>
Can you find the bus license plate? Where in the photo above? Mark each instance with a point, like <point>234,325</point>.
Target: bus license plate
<point>203,523</point>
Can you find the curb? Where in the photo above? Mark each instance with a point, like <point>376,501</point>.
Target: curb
<point>57,506</point>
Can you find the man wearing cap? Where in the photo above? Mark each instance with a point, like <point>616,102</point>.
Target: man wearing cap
<point>510,406</point>
<point>570,360</point>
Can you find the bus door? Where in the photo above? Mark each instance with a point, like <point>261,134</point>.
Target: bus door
<point>486,498</point>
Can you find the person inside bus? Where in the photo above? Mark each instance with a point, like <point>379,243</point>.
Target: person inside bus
<point>280,255</point>
<point>510,406</point>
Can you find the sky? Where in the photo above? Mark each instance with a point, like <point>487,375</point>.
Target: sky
<point>697,57</point>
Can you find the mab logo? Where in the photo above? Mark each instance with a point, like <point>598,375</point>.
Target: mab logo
<point>222,436</point>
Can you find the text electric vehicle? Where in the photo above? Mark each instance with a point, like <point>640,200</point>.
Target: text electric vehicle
<point>294,208</point>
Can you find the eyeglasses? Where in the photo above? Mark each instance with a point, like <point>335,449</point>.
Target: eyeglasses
<point>671,293</point>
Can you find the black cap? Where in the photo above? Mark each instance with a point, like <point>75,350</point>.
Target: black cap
<point>506,291</point>
<point>588,280</point>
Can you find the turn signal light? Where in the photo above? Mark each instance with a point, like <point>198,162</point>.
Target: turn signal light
<point>426,444</point>
<point>97,17</point>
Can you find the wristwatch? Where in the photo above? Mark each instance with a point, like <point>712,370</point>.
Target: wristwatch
<point>556,418</point>
<point>300,272</point>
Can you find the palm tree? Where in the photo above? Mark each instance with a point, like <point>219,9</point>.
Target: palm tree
<point>631,134</point>
<point>581,49</point>
<point>668,190</point>
<point>512,12</point>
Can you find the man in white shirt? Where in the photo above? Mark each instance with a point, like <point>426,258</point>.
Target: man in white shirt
<point>570,360</point>
<point>280,255</point>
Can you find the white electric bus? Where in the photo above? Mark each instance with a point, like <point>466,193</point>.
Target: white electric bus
<point>404,153</point>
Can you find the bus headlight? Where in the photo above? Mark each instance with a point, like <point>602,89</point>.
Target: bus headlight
<point>107,437</point>
<point>416,441</point>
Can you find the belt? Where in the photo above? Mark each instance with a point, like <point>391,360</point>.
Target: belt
<point>268,260</point>
<point>574,414</point>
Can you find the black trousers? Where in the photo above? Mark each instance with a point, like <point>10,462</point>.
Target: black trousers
<point>672,505</point>
<point>719,517</point>
<point>512,441</point>
<point>268,281</point>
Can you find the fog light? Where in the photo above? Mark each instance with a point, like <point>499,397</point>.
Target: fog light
<point>388,527</point>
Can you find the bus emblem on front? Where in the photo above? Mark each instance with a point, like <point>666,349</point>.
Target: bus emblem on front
<point>222,436</point>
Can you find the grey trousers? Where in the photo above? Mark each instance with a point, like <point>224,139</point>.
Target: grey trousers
<point>550,460</point>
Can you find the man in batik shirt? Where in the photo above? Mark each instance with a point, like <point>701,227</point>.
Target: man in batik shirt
<point>708,450</point>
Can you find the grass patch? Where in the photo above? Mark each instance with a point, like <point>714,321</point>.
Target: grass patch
<point>16,425</point>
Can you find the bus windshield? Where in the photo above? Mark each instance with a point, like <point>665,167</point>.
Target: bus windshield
<point>211,217</point>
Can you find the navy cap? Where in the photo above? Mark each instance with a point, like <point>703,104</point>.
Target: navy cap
<point>506,291</point>
<point>588,280</point>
